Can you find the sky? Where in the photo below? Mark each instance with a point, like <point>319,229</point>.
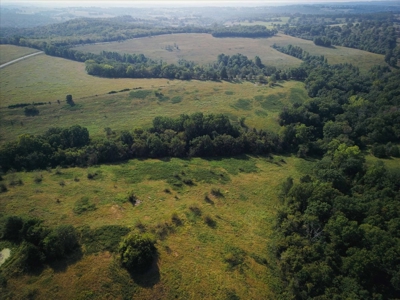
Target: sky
<point>169,2</point>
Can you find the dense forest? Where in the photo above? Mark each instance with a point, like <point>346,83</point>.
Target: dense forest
<point>338,231</point>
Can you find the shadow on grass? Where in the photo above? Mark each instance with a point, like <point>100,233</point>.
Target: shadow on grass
<point>61,265</point>
<point>149,277</point>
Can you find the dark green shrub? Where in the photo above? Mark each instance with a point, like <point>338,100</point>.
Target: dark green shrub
<point>217,192</point>
<point>3,188</point>
<point>12,227</point>
<point>195,210</point>
<point>60,242</point>
<point>175,219</point>
<point>132,198</point>
<point>209,221</point>
<point>91,176</point>
<point>31,111</point>
<point>137,252</point>
<point>29,257</point>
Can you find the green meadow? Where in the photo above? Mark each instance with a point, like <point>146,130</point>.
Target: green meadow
<point>195,227</point>
<point>51,79</point>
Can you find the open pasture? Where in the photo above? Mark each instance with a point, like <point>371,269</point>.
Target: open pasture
<point>11,52</point>
<point>214,248</point>
<point>53,78</point>
<point>203,49</point>
<point>200,48</point>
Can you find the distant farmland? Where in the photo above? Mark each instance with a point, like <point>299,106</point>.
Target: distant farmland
<point>203,49</point>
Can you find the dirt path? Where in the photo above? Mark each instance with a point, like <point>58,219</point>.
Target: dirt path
<point>21,58</point>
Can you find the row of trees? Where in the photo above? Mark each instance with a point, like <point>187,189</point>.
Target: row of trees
<point>194,135</point>
<point>226,67</point>
<point>255,31</point>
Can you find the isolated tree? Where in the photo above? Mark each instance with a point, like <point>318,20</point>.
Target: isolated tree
<point>69,100</point>
<point>136,252</point>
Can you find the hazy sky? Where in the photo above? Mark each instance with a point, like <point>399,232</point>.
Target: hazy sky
<point>168,2</point>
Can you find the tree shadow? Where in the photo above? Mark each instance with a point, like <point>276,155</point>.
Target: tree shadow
<point>149,277</point>
<point>61,265</point>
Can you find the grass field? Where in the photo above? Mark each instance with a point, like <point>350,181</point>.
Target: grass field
<point>193,257</point>
<point>53,78</point>
<point>203,48</point>
<point>200,48</point>
<point>10,52</point>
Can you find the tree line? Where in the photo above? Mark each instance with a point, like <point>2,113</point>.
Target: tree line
<point>255,31</point>
<point>195,135</point>
<point>375,36</point>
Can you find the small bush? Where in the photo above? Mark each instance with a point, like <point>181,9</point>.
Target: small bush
<point>168,191</point>
<point>234,257</point>
<point>175,219</point>
<point>176,99</point>
<point>38,178</point>
<point>195,210</point>
<point>91,176</point>
<point>62,183</point>
<point>137,252</point>
<point>207,199</point>
<point>209,221</point>
<point>188,181</point>
<point>216,192</point>
<point>140,226</point>
<point>132,198</point>
<point>82,205</point>
<point>3,188</point>
<point>31,111</point>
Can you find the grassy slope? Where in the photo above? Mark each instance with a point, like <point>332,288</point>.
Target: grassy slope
<point>10,52</point>
<point>191,262</point>
<point>203,48</point>
<point>52,78</point>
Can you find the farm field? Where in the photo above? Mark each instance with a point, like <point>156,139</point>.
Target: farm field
<point>203,49</point>
<point>260,105</point>
<point>239,225</point>
<point>10,52</point>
